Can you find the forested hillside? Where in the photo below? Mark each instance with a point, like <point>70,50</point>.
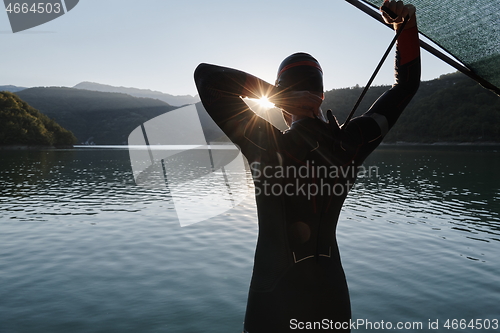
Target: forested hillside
<point>21,124</point>
<point>452,108</point>
<point>95,117</point>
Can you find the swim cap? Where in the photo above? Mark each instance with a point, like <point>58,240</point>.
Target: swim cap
<point>300,71</point>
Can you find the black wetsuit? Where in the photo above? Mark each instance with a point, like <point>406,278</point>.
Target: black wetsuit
<point>298,276</point>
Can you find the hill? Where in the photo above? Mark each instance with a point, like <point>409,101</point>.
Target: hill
<point>21,124</point>
<point>12,88</point>
<point>146,93</point>
<point>94,117</point>
<point>452,108</point>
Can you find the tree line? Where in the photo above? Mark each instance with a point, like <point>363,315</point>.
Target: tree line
<point>452,108</point>
<point>21,124</point>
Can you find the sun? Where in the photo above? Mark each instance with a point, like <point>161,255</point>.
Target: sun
<point>265,103</point>
<point>259,105</point>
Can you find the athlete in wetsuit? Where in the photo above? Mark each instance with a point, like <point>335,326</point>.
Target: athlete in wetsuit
<point>302,177</point>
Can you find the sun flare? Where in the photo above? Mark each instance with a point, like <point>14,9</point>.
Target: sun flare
<point>265,103</point>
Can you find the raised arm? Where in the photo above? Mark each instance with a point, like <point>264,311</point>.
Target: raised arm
<point>372,126</point>
<point>407,65</point>
<point>220,90</point>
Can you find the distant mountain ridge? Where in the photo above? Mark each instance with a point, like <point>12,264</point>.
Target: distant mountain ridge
<point>11,88</point>
<point>21,124</point>
<point>94,117</point>
<point>147,93</point>
<point>452,108</point>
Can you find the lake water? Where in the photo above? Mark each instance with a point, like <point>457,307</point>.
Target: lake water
<point>83,249</point>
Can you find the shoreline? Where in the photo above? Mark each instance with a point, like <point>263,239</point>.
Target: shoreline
<point>440,143</point>
<point>33,147</point>
<point>383,144</point>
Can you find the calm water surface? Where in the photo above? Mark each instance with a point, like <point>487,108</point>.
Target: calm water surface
<point>83,249</point>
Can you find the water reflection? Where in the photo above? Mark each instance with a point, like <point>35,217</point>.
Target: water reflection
<point>435,186</point>
<point>69,182</point>
<point>419,241</point>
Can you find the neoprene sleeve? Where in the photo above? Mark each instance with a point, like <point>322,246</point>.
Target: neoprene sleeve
<point>367,131</point>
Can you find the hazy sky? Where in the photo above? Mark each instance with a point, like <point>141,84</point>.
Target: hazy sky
<point>157,44</point>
